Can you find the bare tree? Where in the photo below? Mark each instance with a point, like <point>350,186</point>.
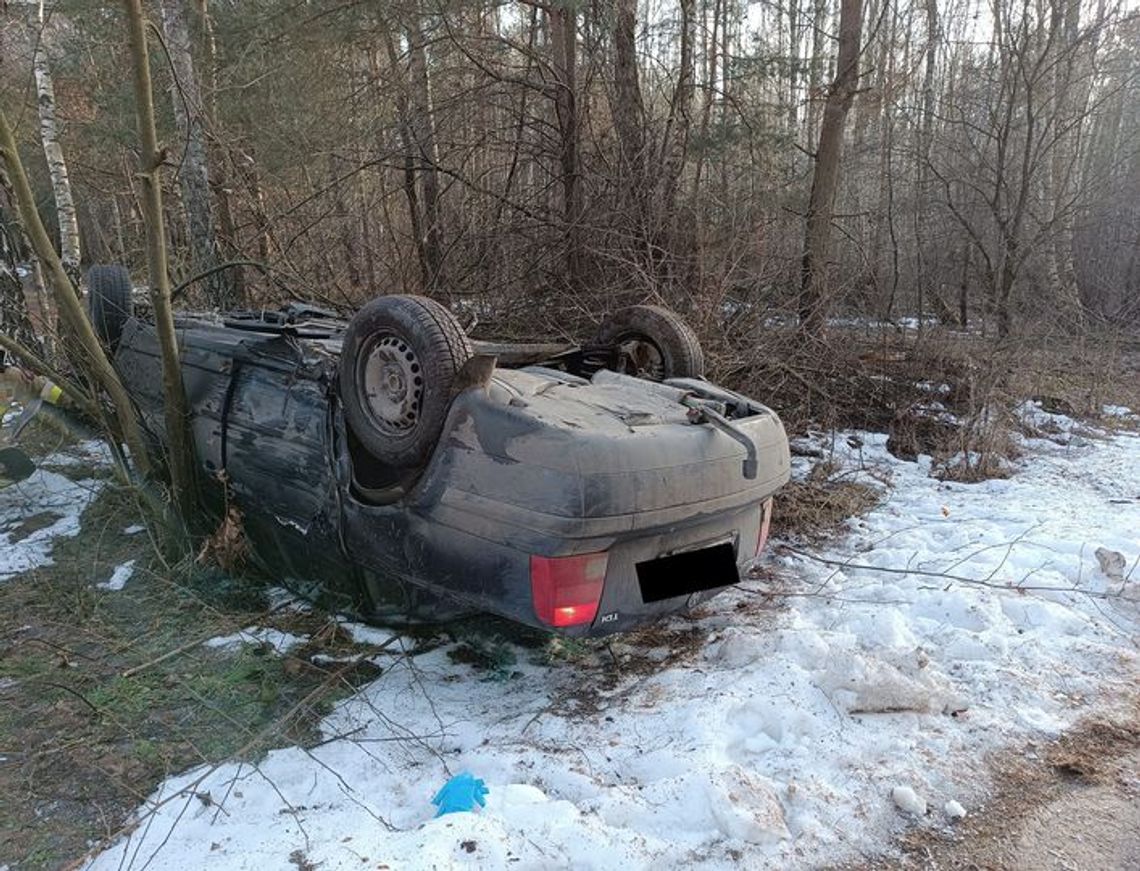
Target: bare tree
<point>562,21</point>
<point>180,461</point>
<point>193,168</point>
<point>627,106</point>
<point>426,155</point>
<point>815,296</point>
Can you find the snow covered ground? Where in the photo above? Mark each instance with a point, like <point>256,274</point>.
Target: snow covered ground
<point>831,702</point>
<point>45,506</point>
<point>55,502</point>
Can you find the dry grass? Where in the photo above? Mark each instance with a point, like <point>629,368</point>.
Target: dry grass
<point>94,708</point>
<point>813,510</point>
<point>950,395</point>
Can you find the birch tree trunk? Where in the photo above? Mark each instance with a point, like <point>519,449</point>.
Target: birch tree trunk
<point>193,172</point>
<point>815,294</point>
<point>66,215</point>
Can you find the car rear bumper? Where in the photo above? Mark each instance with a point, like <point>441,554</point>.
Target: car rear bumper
<point>495,575</point>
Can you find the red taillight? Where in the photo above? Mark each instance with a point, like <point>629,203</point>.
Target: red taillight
<point>566,589</point>
<point>765,522</point>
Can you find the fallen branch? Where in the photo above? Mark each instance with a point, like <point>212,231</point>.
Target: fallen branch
<point>977,582</point>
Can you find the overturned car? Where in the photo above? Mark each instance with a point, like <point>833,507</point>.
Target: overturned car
<point>390,458</point>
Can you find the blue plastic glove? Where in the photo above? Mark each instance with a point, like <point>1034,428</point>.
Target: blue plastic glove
<point>461,793</point>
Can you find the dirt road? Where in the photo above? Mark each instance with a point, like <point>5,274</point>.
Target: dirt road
<point>1071,806</point>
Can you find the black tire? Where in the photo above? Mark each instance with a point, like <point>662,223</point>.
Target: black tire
<point>653,328</point>
<point>413,347</point>
<point>108,301</point>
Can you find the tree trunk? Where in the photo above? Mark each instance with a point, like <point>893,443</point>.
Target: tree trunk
<point>817,68</point>
<point>217,156</point>
<point>14,319</point>
<point>179,438</point>
<point>193,171</point>
<point>926,131</point>
<point>882,217</point>
<point>422,129</point>
<point>1062,277</point>
<point>815,294</point>
<point>66,214</point>
<point>711,57</point>
<point>964,289</point>
<point>628,110</point>
<point>680,112</point>
<point>563,22</point>
<point>793,67</point>
<point>407,143</point>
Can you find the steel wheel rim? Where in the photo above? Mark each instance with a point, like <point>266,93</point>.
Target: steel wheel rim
<point>392,383</point>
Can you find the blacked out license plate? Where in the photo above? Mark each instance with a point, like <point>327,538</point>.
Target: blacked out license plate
<point>690,571</point>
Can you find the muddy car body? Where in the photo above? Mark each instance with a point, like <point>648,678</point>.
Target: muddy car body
<point>578,504</point>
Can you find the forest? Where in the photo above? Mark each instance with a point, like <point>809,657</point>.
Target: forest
<point>408,377</point>
<point>754,165</point>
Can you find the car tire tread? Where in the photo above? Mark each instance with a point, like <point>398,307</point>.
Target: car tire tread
<point>679,345</point>
<point>442,349</point>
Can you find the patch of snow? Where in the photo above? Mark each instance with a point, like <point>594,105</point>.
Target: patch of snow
<point>119,577</point>
<point>933,387</point>
<point>936,410</point>
<point>952,621</point>
<point>281,642</point>
<point>1033,414</point>
<point>282,599</point>
<point>134,529</point>
<point>362,633</point>
<point>912,323</point>
<point>90,451</point>
<point>43,492</point>
<point>908,801</point>
<point>1117,411</point>
<point>326,659</point>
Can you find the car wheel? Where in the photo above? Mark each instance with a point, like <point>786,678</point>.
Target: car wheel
<point>108,301</point>
<point>653,342</point>
<point>397,368</point>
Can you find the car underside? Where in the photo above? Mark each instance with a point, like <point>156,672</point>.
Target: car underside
<point>574,488</point>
